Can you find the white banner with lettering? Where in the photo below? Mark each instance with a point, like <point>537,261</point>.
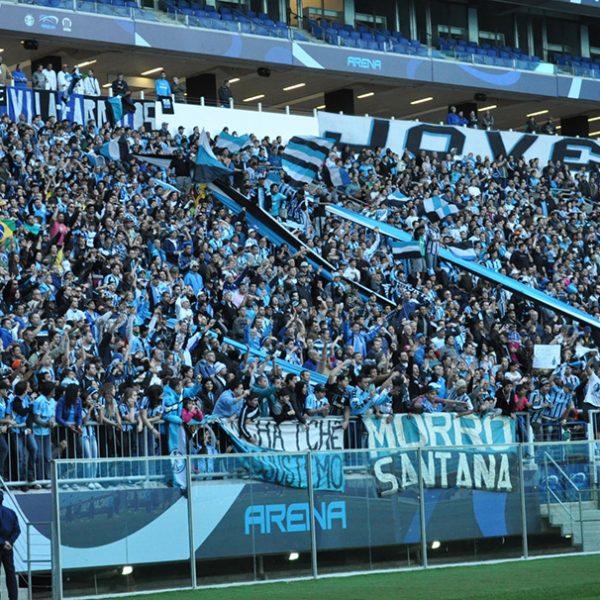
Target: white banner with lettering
<point>414,137</point>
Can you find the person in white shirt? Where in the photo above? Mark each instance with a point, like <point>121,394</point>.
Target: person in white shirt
<point>91,87</point>
<point>50,75</point>
<point>63,79</point>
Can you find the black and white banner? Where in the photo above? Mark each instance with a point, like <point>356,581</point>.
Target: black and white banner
<point>78,109</point>
<point>292,436</point>
<point>461,141</point>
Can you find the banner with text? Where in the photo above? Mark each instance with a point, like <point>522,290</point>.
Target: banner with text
<point>415,137</point>
<point>321,434</point>
<point>27,103</point>
<point>456,452</point>
<point>441,429</point>
<point>289,470</point>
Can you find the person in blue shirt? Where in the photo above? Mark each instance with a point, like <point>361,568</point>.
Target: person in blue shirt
<point>173,396</point>
<point>69,416</point>
<point>162,87</point>
<point>9,533</point>
<point>22,410</point>
<point>44,416</point>
<point>6,421</point>
<point>230,402</point>
<point>19,78</point>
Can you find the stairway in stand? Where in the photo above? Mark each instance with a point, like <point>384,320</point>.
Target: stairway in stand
<point>583,527</point>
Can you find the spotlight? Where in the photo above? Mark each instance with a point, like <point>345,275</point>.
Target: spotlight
<point>293,556</point>
<point>127,570</point>
<point>436,545</point>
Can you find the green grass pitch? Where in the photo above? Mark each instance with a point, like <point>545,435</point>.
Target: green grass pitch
<point>569,578</point>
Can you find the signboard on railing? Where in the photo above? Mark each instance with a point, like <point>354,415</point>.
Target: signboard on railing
<point>28,103</point>
<point>461,141</point>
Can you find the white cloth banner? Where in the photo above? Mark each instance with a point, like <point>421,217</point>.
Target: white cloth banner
<point>546,356</point>
<point>292,436</point>
<point>461,141</point>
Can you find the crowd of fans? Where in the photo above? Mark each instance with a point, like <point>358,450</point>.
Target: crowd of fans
<point>119,295</point>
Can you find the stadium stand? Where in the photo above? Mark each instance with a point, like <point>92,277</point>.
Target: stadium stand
<point>105,311</point>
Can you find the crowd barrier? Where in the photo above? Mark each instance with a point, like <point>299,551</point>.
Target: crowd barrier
<point>389,509</point>
<point>99,441</point>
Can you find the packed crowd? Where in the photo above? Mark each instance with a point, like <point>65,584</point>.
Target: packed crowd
<point>125,303</point>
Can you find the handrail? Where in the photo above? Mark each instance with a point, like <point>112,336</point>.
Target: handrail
<point>562,472</point>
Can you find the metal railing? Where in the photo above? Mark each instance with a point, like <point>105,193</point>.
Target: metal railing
<point>28,456</point>
<point>551,492</point>
<point>527,489</point>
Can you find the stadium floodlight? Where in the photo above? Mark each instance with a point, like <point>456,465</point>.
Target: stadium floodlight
<point>151,71</point>
<point>538,113</point>
<point>365,95</point>
<point>436,545</point>
<point>422,100</point>
<point>490,107</point>
<point>289,88</point>
<point>127,570</point>
<point>254,98</point>
<point>293,556</point>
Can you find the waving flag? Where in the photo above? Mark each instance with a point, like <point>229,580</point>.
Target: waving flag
<point>164,184</point>
<point>398,196</point>
<point>463,250</point>
<point>208,168</point>
<point>7,228</point>
<point>115,149</point>
<point>304,156</point>
<point>336,176</point>
<point>402,250</point>
<point>114,109</point>
<point>162,161</point>
<point>437,209</point>
<point>226,141</point>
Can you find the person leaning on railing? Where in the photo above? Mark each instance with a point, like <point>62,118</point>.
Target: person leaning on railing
<point>69,416</point>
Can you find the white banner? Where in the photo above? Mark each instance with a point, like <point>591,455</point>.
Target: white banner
<point>546,356</point>
<point>414,137</point>
<point>292,436</point>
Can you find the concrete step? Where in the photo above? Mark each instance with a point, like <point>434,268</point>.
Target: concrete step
<point>553,507</point>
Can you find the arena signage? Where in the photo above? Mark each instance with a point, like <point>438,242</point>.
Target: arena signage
<point>294,518</point>
<point>461,141</point>
<point>24,104</point>
<point>367,64</point>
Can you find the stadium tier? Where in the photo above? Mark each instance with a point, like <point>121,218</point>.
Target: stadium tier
<point>293,342</point>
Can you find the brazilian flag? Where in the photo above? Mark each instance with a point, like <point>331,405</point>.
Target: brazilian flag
<point>7,228</point>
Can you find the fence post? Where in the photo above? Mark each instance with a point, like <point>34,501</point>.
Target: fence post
<point>29,585</point>
<point>422,520</point>
<point>190,507</point>
<point>57,587</point>
<point>311,514</point>
<point>523,499</point>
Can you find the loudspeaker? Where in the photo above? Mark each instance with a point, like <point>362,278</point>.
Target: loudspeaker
<point>263,72</point>
<point>480,97</point>
<point>30,44</point>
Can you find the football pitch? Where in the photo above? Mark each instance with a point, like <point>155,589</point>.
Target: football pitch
<point>576,578</point>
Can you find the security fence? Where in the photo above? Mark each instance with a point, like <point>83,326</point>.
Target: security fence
<point>187,521</point>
